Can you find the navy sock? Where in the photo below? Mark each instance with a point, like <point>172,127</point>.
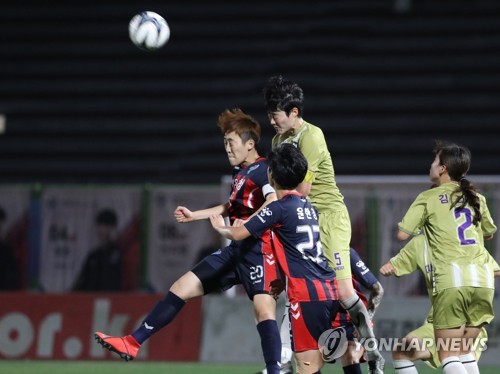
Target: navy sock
<point>352,369</point>
<point>271,344</point>
<point>161,315</point>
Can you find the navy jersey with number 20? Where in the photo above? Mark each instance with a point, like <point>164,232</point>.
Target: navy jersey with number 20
<point>297,246</point>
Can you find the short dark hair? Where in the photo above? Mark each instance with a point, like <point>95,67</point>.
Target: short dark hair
<point>288,166</point>
<point>106,217</point>
<point>283,94</point>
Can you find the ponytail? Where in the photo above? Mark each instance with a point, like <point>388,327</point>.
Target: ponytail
<point>468,196</point>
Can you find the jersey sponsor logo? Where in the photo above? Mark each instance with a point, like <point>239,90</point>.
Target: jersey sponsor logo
<point>253,168</point>
<point>360,264</point>
<point>265,212</point>
<point>238,183</point>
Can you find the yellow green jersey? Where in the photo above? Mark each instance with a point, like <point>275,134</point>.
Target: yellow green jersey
<point>416,255</point>
<point>456,245</point>
<point>324,195</point>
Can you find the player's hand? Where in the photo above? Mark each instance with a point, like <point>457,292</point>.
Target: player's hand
<point>239,222</point>
<point>277,286</point>
<point>183,214</point>
<point>388,269</point>
<point>217,221</point>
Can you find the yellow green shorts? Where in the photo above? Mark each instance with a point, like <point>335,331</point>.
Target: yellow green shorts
<point>426,334</point>
<point>469,306</point>
<point>335,231</point>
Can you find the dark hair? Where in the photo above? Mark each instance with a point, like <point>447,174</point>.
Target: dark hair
<point>3,215</point>
<point>457,161</point>
<point>282,94</point>
<point>288,165</point>
<point>106,217</point>
<point>241,123</point>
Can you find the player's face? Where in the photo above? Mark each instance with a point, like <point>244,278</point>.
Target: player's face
<point>436,170</point>
<point>281,122</point>
<point>237,151</point>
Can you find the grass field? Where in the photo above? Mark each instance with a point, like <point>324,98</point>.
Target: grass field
<point>93,367</point>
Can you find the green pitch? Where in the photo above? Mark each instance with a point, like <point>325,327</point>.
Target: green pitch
<point>93,367</point>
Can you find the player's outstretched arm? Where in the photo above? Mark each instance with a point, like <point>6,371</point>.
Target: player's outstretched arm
<point>231,233</point>
<point>184,215</point>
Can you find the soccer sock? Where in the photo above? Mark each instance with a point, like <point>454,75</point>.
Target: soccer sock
<point>161,315</point>
<point>470,363</point>
<point>452,365</point>
<point>352,369</point>
<point>271,344</point>
<point>360,318</point>
<point>404,367</point>
<point>286,344</point>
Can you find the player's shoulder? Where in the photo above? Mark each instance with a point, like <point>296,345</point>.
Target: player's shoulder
<point>312,131</point>
<point>258,166</point>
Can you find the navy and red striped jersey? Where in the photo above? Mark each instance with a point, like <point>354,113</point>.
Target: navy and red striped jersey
<point>249,188</point>
<point>361,277</point>
<point>296,243</point>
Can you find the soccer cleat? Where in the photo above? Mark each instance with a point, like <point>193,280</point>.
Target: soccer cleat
<point>376,366</point>
<point>286,368</point>
<point>126,347</point>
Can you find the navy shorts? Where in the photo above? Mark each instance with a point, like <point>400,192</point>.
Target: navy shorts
<point>249,262</point>
<point>308,320</point>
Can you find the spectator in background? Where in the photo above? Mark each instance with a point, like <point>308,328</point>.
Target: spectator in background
<point>102,270</point>
<point>9,268</point>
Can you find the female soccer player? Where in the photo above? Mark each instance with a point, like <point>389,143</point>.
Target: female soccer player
<point>413,256</point>
<point>284,103</point>
<point>454,218</point>
<point>297,246</point>
<point>250,190</point>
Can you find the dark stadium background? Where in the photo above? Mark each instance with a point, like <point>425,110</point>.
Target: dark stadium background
<point>382,78</point>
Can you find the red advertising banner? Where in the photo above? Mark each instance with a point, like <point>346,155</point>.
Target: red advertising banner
<point>62,326</point>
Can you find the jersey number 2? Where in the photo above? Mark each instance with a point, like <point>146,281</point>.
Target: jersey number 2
<point>464,226</point>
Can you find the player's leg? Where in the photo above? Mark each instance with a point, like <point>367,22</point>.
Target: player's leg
<point>416,345</point>
<point>286,345</point>
<point>308,362</point>
<point>479,313</point>
<point>449,309</point>
<point>335,230</point>
<point>210,274</point>
<point>308,321</point>
<point>265,316</point>
<point>352,356</point>
<point>257,268</point>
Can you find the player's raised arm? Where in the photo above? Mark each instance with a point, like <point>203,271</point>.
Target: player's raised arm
<point>184,215</point>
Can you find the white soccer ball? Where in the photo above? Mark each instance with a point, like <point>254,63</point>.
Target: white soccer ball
<point>148,31</point>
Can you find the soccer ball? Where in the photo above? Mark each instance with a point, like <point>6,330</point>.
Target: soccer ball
<point>148,31</point>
